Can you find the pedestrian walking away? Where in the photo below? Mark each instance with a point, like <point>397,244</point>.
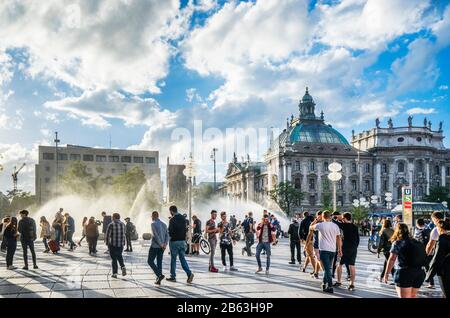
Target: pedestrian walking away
<point>160,239</point>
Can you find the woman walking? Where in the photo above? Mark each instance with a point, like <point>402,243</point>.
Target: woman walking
<point>385,244</point>
<point>83,231</point>
<point>10,236</point>
<point>92,236</point>
<point>45,232</point>
<point>411,256</point>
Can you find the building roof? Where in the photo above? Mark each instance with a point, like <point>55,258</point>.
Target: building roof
<point>315,132</point>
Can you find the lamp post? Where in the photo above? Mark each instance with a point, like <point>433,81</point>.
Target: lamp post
<point>335,175</point>
<point>56,157</point>
<point>190,172</point>
<point>213,157</point>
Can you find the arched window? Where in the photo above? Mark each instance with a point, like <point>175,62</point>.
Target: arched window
<point>312,166</point>
<point>436,170</point>
<point>353,167</point>
<point>325,166</point>
<point>401,166</point>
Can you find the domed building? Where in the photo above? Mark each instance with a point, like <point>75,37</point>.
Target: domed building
<point>376,161</point>
<point>302,153</point>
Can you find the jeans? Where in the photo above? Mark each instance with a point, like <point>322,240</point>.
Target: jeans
<point>116,256</point>
<point>259,248</point>
<point>70,239</point>
<point>295,245</point>
<point>25,245</point>
<point>212,244</point>
<point>249,241</point>
<point>57,236</point>
<point>92,243</point>
<point>157,253</point>
<point>44,240</point>
<point>11,247</point>
<point>224,248</point>
<point>128,239</point>
<point>178,248</point>
<point>327,261</point>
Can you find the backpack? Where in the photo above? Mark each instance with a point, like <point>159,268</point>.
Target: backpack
<point>414,254</point>
<point>426,236</point>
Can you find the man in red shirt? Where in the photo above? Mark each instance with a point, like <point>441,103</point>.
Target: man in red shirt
<point>265,232</point>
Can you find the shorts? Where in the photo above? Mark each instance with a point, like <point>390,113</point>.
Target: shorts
<point>196,238</point>
<point>348,257</point>
<point>409,277</point>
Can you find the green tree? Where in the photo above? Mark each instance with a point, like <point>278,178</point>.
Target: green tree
<point>286,196</point>
<point>359,213</point>
<point>129,183</point>
<point>19,200</point>
<point>438,194</point>
<point>76,179</point>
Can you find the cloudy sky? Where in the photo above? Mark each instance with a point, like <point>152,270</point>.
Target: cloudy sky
<point>138,70</point>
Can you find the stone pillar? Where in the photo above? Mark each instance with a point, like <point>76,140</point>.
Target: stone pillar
<point>427,172</point>
<point>289,172</point>
<point>411,172</point>
<point>391,181</point>
<point>378,178</point>
<point>443,175</point>
<point>347,186</point>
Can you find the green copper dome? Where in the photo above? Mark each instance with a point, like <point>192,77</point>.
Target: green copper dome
<point>315,132</point>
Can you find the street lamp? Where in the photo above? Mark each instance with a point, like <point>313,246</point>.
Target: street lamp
<point>388,199</point>
<point>190,172</point>
<point>213,157</point>
<point>335,175</point>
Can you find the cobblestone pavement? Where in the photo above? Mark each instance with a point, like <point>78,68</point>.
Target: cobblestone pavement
<point>76,274</point>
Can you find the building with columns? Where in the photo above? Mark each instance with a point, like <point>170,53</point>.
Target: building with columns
<point>374,162</point>
<point>410,155</point>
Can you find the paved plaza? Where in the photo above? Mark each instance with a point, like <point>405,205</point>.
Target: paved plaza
<point>77,275</point>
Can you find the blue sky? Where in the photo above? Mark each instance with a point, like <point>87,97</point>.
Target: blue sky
<point>136,71</point>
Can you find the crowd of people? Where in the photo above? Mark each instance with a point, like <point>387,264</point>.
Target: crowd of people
<point>328,241</point>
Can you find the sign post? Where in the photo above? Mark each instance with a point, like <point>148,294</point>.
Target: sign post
<point>407,199</point>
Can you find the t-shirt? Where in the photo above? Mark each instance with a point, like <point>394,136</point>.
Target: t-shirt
<point>225,236</point>
<point>350,236</point>
<point>246,224</point>
<point>327,236</point>
<point>211,225</point>
<point>265,234</point>
<point>198,227</point>
<point>434,235</point>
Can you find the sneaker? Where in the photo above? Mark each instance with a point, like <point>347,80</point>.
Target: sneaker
<point>292,263</point>
<point>259,270</point>
<point>160,278</point>
<point>304,270</point>
<point>25,268</point>
<point>124,271</point>
<point>349,278</point>
<point>35,267</point>
<point>171,279</point>
<point>351,288</point>
<point>243,251</point>
<point>127,250</point>
<point>114,275</point>
<point>213,269</point>
<point>190,278</point>
<point>316,275</point>
<point>233,269</point>
<point>329,290</point>
<point>267,272</point>
<point>11,268</point>
<point>324,287</point>
<point>430,287</point>
<point>337,284</point>
<point>107,252</point>
<point>225,268</point>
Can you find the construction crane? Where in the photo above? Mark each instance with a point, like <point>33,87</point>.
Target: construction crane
<point>15,177</point>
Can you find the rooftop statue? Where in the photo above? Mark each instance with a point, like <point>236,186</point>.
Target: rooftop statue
<point>410,118</point>
<point>390,124</point>
<point>377,122</point>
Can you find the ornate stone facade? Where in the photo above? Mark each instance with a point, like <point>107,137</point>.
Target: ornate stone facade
<point>377,161</point>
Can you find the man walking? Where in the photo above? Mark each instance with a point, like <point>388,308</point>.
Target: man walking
<point>212,231</point>
<point>329,236</point>
<point>177,244</point>
<point>106,221</point>
<point>27,230</point>
<point>70,231</point>
<point>160,239</point>
<point>115,240</point>
<point>349,248</point>
<point>130,231</point>
<point>266,234</point>
<point>294,240</point>
<point>249,231</point>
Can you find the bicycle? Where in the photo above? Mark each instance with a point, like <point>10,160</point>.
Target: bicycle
<point>204,244</point>
<point>373,242</point>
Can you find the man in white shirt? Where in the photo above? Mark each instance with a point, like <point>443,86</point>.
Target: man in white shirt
<point>329,239</point>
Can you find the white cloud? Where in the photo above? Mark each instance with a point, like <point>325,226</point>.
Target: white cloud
<point>420,110</point>
<point>443,87</point>
<point>95,107</point>
<point>91,44</point>
<point>365,24</point>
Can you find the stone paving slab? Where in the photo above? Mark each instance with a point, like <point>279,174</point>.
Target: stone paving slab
<point>76,275</point>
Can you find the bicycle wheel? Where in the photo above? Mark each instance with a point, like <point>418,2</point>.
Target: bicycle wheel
<point>204,245</point>
<point>372,246</point>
